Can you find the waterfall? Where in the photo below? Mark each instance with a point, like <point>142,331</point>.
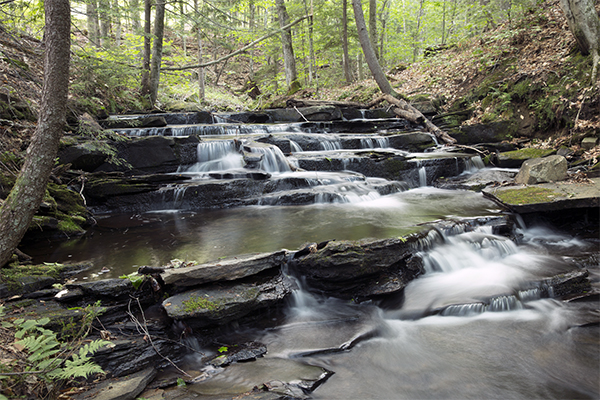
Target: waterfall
<point>474,164</point>
<point>295,147</point>
<point>273,159</point>
<point>471,273</point>
<point>422,176</point>
<point>329,144</point>
<point>217,156</point>
<point>374,142</point>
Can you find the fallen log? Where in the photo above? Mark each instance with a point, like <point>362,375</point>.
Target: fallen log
<point>405,110</point>
<point>311,103</point>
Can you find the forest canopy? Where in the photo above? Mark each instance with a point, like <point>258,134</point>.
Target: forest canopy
<point>109,41</point>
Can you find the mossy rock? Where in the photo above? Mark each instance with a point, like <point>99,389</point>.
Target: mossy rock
<point>527,195</point>
<point>515,158</point>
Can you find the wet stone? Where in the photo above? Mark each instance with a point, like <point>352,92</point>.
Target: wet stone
<point>282,376</point>
<point>219,304</point>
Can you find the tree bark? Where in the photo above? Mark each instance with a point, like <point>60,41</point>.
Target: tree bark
<point>134,11</point>
<point>373,25</point>
<point>201,88</point>
<point>346,60</point>
<point>408,112</point>
<point>16,213</point>
<point>289,61</point>
<point>584,24</point>
<point>159,30</point>
<point>92,21</point>
<point>363,36</point>
<point>145,89</point>
<point>104,11</point>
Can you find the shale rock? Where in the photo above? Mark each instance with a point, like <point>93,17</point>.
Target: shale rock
<point>358,269</point>
<point>228,269</point>
<point>540,170</point>
<point>219,304</point>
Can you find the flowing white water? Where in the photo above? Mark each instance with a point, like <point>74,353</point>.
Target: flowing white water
<point>493,339</point>
<point>216,156</point>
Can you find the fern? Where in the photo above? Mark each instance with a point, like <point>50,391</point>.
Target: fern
<point>50,358</point>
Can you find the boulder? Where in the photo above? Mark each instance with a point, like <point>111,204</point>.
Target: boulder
<point>589,143</point>
<point>125,388</point>
<point>478,133</point>
<point>516,158</point>
<point>228,269</point>
<point>358,269</point>
<point>226,302</point>
<point>87,156</point>
<point>540,170</point>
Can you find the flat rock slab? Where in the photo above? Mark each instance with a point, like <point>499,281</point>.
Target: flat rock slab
<point>359,269</point>
<point>547,196</point>
<point>227,269</point>
<point>125,388</point>
<point>226,302</point>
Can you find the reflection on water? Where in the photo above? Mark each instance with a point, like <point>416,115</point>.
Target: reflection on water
<point>123,242</point>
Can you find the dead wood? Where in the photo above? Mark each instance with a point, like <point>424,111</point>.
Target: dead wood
<point>405,110</point>
<point>320,103</point>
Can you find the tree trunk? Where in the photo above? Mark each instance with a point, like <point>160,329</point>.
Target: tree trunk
<point>145,89</point>
<point>92,21</point>
<point>201,89</point>
<point>383,16</point>
<point>311,45</point>
<point>104,11</point>
<point>363,36</point>
<point>584,24</point>
<point>118,26</point>
<point>346,60</point>
<point>134,11</point>
<point>289,61</point>
<point>373,25</point>
<point>25,197</point>
<point>159,30</point>
<point>417,31</point>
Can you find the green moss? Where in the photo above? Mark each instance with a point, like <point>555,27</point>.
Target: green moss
<point>394,166</point>
<point>528,195</point>
<point>194,303</point>
<point>68,225</point>
<point>12,274</point>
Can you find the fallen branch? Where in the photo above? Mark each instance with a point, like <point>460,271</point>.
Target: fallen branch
<point>405,110</point>
<point>251,44</point>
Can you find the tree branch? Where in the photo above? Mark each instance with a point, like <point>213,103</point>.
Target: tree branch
<point>251,44</point>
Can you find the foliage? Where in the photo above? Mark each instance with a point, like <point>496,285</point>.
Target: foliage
<point>47,361</point>
<point>135,279</point>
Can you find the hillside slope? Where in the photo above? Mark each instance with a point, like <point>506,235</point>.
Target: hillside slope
<point>528,74</point>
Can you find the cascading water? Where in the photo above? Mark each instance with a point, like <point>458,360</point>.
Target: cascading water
<point>273,159</point>
<point>467,328</point>
<point>217,156</point>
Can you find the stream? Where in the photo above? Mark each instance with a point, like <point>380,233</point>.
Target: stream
<point>475,325</point>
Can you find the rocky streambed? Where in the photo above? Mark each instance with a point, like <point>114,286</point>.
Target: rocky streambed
<point>364,272</point>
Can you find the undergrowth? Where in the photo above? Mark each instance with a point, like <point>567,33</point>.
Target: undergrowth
<point>38,363</point>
